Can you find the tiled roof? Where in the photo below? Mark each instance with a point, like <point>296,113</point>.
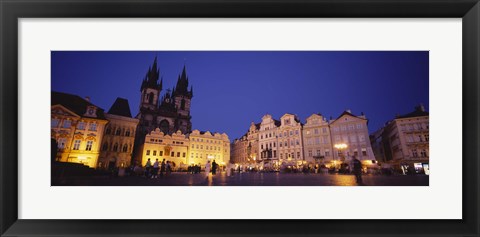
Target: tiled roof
<point>120,107</point>
<point>416,113</point>
<point>74,103</point>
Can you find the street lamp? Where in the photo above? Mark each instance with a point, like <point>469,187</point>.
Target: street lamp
<point>340,147</point>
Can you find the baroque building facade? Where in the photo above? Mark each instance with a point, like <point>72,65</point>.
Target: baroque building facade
<point>119,136</point>
<point>77,126</point>
<point>170,112</point>
<point>288,142</point>
<point>317,140</point>
<point>404,142</point>
<point>267,141</point>
<point>351,130</point>
<point>186,149</point>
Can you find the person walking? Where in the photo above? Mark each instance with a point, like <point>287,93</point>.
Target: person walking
<point>148,166</point>
<point>162,168</point>
<point>229,168</point>
<point>214,167</point>
<point>357,170</point>
<point>168,168</point>
<point>207,169</point>
<point>155,169</point>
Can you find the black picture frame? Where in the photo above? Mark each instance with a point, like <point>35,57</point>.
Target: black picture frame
<point>11,11</point>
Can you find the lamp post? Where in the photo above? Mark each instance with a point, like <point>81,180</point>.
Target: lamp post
<point>340,147</point>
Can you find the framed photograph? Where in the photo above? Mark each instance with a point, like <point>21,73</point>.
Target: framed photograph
<point>239,118</point>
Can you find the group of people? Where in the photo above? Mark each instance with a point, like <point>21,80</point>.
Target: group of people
<point>157,169</point>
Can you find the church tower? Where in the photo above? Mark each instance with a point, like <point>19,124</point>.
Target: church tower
<point>150,89</point>
<point>183,97</point>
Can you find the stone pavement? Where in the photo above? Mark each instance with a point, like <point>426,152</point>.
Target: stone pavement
<point>249,179</point>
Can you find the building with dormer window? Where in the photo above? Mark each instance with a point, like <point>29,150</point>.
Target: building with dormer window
<point>77,126</point>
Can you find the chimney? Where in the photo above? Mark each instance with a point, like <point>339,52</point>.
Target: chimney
<point>420,107</point>
<point>87,98</point>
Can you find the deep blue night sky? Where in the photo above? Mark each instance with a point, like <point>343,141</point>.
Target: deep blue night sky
<point>233,88</point>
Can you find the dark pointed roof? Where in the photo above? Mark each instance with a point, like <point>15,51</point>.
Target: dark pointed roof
<point>120,107</point>
<point>182,85</point>
<point>151,78</point>
<point>419,112</point>
<point>74,103</point>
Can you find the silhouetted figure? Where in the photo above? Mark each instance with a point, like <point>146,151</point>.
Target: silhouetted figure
<point>148,166</point>
<point>162,168</point>
<point>214,167</point>
<point>357,170</point>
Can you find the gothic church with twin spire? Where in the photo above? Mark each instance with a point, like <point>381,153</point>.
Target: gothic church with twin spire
<point>170,112</point>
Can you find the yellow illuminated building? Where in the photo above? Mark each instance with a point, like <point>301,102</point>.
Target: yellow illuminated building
<point>77,126</point>
<point>173,148</point>
<point>207,146</point>
<point>186,149</point>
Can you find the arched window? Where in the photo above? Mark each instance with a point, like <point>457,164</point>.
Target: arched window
<point>118,132</point>
<point>150,98</point>
<point>105,146</point>
<point>109,130</point>
<point>127,133</point>
<point>125,148</point>
<point>164,126</point>
<point>115,147</point>
<point>182,105</point>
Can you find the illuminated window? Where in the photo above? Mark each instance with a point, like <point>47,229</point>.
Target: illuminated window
<point>55,123</point>
<point>89,146</point>
<point>76,145</point>
<point>67,123</point>
<point>61,143</point>
<point>93,127</point>
<point>81,126</point>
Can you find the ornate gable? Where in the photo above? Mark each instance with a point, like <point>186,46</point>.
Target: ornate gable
<point>59,110</point>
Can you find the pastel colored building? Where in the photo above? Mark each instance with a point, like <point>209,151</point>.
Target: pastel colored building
<point>316,140</point>
<point>404,142</point>
<point>77,126</point>
<point>119,137</point>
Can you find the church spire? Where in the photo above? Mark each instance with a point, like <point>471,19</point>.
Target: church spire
<point>152,76</point>
<point>181,87</point>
